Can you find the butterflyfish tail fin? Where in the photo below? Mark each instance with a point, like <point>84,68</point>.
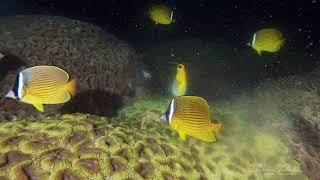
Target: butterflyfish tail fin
<point>39,107</point>
<point>71,87</point>
<point>216,127</point>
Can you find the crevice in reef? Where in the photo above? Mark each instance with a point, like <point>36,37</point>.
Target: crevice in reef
<point>96,102</point>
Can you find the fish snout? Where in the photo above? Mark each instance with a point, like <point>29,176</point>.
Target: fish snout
<point>163,117</point>
<point>10,94</point>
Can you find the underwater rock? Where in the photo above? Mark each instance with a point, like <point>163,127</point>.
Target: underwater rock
<point>95,58</point>
<point>79,146</point>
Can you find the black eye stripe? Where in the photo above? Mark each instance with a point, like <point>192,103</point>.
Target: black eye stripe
<point>168,112</point>
<point>16,85</point>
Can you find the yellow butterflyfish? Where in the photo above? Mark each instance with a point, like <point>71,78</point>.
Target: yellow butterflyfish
<point>269,40</point>
<point>190,115</point>
<point>161,14</point>
<point>179,86</point>
<point>40,85</point>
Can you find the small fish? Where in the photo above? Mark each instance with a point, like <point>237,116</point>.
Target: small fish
<point>146,75</point>
<point>40,85</point>
<point>161,14</point>
<point>179,86</point>
<point>190,115</point>
<point>1,55</point>
<point>269,40</point>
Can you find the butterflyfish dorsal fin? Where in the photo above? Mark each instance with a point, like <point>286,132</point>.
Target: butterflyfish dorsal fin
<point>37,74</point>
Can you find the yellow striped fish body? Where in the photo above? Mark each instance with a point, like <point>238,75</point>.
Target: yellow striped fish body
<point>179,86</point>
<point>269,40</point>
<point>161,14</point>
<point>43,85</point>
<point>190,115</point>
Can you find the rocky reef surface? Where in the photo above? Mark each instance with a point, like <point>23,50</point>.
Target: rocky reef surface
<point>289,109</point>
<point>137,145</point>
<point>106,69</point>
<point>293,106</point>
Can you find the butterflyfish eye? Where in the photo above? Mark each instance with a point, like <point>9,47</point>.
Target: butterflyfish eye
<point>180,66</point>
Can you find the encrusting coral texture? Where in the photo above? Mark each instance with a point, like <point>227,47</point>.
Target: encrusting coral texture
<point>134,145</point>
<point>103,66</point>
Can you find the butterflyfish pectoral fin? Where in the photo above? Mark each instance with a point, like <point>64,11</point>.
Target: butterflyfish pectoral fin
<point>182,136</point>
<point>216,127</point>
<point>39,107</point>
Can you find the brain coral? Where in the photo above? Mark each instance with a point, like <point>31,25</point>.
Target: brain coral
<point>105,67</point>
<point>134,145</point>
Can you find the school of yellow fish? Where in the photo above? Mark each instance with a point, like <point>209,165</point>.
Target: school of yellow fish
<point>188,115</point>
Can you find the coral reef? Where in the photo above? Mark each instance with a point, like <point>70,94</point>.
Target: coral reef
<point>288,108</point>
<point>135,145</point>
<point>297,99</point>
<point>96,59</point>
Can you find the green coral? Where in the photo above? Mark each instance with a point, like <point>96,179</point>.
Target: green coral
<point>135,145</point>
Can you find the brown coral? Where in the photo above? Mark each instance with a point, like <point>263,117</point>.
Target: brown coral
<point>102,65</point>
<point>56,159</point>
<point>39,142</point>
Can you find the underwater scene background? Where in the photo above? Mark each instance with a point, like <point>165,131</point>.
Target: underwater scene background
<point>262,87</point>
